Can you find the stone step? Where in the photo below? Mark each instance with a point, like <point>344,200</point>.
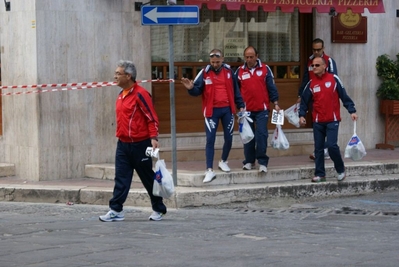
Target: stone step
<point>195,139</point>
<point>188,178</point>
<point>191,147</point>
<point>194,153</point>
<point>7,169</point>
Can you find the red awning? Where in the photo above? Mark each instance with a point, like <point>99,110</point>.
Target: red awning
<point>288,6</point>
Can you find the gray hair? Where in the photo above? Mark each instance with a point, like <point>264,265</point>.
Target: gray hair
<point>129,68</point>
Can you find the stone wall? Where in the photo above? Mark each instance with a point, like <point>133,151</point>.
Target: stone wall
<point>52,136</point>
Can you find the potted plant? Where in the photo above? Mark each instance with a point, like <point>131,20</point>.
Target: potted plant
<point>388,91</point>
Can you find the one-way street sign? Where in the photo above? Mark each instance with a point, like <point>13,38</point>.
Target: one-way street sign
<point>169,15</point>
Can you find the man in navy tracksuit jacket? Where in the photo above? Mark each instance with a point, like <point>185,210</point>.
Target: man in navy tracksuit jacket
<point>256,82</point>
<point>324,91</point>
<point>331,67</point>
<point>220,97</point>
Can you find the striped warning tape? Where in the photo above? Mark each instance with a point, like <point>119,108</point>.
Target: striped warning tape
<point>64,87</point>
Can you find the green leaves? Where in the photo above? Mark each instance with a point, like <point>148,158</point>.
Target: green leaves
<point>388,70</point>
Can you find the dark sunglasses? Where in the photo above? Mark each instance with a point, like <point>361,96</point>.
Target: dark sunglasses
<point>315,65</point>
<point>215,55</point>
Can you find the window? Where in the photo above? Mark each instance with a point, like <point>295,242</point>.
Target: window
<point>274,34</point>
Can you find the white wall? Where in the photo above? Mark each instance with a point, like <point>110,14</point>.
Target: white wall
<point>356,68</point>
<point>53,135</point>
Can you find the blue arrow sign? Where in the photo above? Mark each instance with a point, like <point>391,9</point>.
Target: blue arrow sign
<point>169,15</point>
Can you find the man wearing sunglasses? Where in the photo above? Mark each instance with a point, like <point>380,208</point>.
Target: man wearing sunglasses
<point>220,97</point>
<point>324,92</point>
<point>318,51</point>
<point>258,90</point>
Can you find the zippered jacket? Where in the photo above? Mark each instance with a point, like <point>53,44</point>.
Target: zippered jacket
<point>325,93</point>
<point>257,86</point>
<point>203,85</point>
<point>136,119</point>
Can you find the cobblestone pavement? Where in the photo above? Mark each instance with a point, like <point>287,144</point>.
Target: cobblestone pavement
<point>355,231</point>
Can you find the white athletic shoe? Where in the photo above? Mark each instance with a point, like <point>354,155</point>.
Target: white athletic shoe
<point>112,216</point>
<point>262,168</point>
<point>247,166</point>
<point>223,166</point>
<point>155,216</point>
<point>209,176</point>
<point>341,176</point>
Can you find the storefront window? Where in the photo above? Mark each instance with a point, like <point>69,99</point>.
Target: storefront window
<point>274,34</point>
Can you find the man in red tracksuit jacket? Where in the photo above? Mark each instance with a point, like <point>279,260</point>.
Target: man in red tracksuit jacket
<point>256,82</point>
<point>220,97</point>
<point>136,129</point>
<point>325,90</point>
<point>331,67</point>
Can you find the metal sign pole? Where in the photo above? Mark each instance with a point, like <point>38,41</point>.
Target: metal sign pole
<point>170,15</point>
<point>172,105</point>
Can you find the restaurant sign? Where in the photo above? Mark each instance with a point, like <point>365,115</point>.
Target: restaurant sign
<point>349,28</point>
<point>304,6</point>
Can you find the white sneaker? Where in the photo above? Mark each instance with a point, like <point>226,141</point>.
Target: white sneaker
<point>155,216</point>
<point>247,166</point>
<point>223,166</point>
<point>326,155</point>
<point>209,176</point>
<point>112,216</point>
<point>341,176</point>
<point>262,168</point>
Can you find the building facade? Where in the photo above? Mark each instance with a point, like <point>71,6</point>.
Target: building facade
<point>53,135</point>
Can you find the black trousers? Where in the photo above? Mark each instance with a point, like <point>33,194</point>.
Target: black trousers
<point>130,157</point>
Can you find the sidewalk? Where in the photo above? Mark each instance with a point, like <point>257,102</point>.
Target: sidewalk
<point>287,177</point>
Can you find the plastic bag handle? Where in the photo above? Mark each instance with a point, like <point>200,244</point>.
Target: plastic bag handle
<point>354,128</point>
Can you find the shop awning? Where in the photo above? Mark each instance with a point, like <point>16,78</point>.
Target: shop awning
<point>288,6</point>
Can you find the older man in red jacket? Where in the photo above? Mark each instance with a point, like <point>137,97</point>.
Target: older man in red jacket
<point>136,129</point>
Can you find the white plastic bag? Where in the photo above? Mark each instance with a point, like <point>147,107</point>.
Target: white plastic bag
<point>244,128</point>
<point>355,148</point>
<point>163,181</point>
<point>279,140</point>
<point>292,115</point>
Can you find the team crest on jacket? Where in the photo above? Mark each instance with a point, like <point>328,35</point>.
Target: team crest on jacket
<point>328,84</point>
<point>228,75</point>
<point>259,72</point>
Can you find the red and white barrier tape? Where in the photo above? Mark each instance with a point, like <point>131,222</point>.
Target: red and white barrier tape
<point>55,90</point>
<point>56,85</point>
<point>64,87</point>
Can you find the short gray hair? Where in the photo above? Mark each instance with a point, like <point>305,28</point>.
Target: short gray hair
<point>129,68</point>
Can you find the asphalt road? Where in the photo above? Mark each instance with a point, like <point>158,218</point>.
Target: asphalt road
<point>356,231</point>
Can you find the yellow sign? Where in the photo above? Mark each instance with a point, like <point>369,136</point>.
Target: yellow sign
<point>349,19</point>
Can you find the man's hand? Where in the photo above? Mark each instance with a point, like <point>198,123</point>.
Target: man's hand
<point>354,116</point>
<point>154,143</point>
<point>189,84</point>
<point>302,121</point>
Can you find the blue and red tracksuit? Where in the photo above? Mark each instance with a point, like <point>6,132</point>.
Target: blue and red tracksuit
<point>209,83</point>
<point>257,89</point>
<point>325,93</point>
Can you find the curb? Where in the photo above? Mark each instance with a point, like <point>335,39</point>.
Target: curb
<point>210,196</point>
